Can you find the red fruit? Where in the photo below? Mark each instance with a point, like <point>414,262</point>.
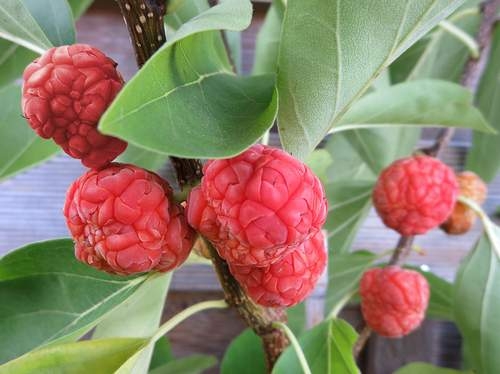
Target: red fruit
<point>288,281</point>
<point>415,194</point>
<point>256,207</point>
<point>124,221</point>
<point>65,92</point>
<point>393,300</point>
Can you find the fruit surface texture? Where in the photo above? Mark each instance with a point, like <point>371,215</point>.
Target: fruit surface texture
<point>65,93</point>
<point>415,194</point>
<point>258,206</point>
<point>123,220</point>
<point>393,300</point>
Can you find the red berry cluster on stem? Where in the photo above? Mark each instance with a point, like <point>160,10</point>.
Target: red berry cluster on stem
<point>263,211</point>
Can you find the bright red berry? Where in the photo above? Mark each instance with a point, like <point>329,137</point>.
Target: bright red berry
<point>288,281</point>
<point>393,300</point>
<point>256,207</point>
<point>65,92</point>
<point>415,194</point>
<point>123,220</point>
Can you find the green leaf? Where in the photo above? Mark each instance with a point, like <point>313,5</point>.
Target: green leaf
<point>327,347</point>
<point>78,7</point>
<point>319,161</point>
<point>55,18</point>
<point>142,157</point>
<point>244,355</point>
<point>13,60</point>
<point>441,300</point>
<point>192,105</point>
<point>162,353</point>
<point>345,271</point>
<point>484,156</point>
<point>142,311</point>
<point>18,25</point>
<point>297,318</point>
<point>181,11</point>
<point>195,364</point>
<point>416,103</point>
<point>94,356</point>
<point>268,40</point>
<point>49,297</point>
<point>233,39</point>
<point>477,302</point>
<point>332,51</point>
<point>424,368</point>
<point>20,147</point>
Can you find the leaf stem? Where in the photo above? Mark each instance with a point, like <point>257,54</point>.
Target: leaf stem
<point>296,346</point>
<point>185,314</point>
<point>462,36</point>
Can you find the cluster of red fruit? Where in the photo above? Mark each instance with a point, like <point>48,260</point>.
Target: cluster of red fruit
<point>262,210</point>
<point>412,196</point>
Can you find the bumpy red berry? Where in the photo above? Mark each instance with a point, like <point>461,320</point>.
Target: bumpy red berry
<point>415,194</point>
<point>124,221</point>
<point>393,300</point>
<point>288,281</point>
<point>463,218</point>
<point>258,206</point>
<point>65,92</point>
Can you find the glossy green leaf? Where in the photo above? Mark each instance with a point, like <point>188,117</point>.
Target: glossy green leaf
<point>94,356</point>
<point>20,147</point>
<point>192,105</point>
<point>49,297</point>
<point>328,60</point>
<point>18,25</point>
<point>424,368</point>
<point>484,156</point>
<point>416,103</point>
<point>78,7</point>
<point>268,40</point>
<point>344,272</point>
<point>327,348</point>
<point>55,18</point>
<point>142,157</point>
<point>244,355</point>
<point>13,60</point>
<point>477,302</point>
<point>195,364</point>
<point>162,353</point>
<point>142,311</point>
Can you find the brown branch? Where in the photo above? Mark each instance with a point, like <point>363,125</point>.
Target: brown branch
<point>144,19</point>
<point>471,77</point>
<point>256,317</point>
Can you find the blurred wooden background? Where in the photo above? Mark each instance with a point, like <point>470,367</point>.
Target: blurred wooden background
<point>31,205</point>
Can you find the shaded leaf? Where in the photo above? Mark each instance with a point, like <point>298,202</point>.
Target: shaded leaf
<point>78,7</point>
<point>268,40</point>
<point>195,364</point>
<point>142,157</point>
<point>55,18</point>
<point>477,302</point>
<point>181,11</point>
<point>142,311</point>
<point>49,297</point>
<point>244,355</point>
<point>297,318</point>
<point>441,300</point>
<point>162,353</point>
<point>484,156</point>
<point>327,59</point>
<point>20,147</point>
<point>327,347</point>
<point>13,60</point>
<point>93,356</point>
